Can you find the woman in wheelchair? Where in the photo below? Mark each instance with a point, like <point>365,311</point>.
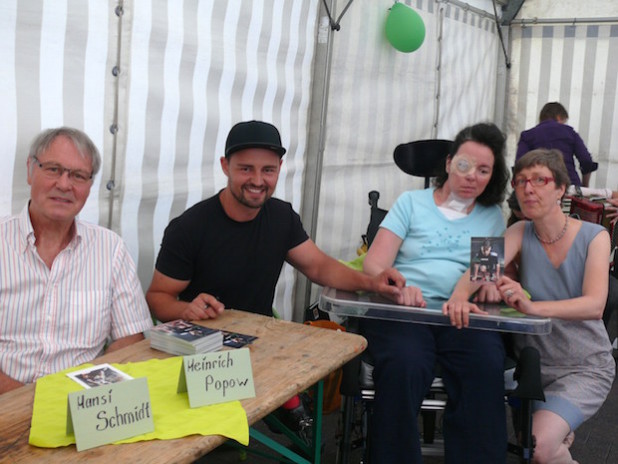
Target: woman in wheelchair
<point>426,236</point>
<point>563,264</point>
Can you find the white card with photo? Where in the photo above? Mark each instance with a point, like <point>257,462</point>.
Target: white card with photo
<point>95,376</point>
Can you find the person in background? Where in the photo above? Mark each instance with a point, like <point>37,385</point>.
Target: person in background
<point>228,251</point>
<point>563,264</point>
<point>427,236</point>
<point>69,290</point>
<point>553,132</point>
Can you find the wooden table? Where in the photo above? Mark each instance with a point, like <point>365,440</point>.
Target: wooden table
<point>287,358</point>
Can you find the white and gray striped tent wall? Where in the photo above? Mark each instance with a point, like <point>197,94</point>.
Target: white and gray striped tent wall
<point>576,65</point>
<point>195,71</point>
<point>188,70</point>
<point>56,61</point>
<point>380,97</point>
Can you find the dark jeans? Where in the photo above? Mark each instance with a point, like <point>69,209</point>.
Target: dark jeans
<point>472,363</point>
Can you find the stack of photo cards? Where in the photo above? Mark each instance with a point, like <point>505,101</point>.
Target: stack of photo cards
<point>181,338</point>
<point>486,259</point>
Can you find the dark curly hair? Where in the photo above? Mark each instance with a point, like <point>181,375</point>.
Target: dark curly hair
<point>489,135</point>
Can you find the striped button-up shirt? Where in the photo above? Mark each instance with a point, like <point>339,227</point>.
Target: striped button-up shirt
<point>51,319</point>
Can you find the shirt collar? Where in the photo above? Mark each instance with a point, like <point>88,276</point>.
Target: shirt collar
<point>27,231</point>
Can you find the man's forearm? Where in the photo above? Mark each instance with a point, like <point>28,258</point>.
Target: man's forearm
<point>337,275</point>
<point>8,383</point>
<point>164,307</point>
<point>355,280</point>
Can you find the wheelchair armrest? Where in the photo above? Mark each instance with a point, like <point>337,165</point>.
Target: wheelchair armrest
<point>528,375</point>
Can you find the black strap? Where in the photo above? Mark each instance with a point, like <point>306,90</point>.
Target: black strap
<point>334,25</point>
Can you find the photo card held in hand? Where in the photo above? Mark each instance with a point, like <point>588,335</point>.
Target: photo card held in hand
<point>486,259</point>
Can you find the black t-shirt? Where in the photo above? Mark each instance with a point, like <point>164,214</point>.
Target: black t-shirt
<point>490,260</point>
<point>238,262</point>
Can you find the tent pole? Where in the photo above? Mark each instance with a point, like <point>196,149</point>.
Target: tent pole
<point>315,148</point>
<point>113,128</point>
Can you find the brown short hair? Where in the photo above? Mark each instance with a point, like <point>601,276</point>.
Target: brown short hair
<point>552,159</point>
<point>553,110</point>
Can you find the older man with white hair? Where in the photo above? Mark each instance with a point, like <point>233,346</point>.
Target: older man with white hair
<point>68,289</point>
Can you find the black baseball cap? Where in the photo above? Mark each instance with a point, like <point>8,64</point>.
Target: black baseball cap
<point>253,134</point>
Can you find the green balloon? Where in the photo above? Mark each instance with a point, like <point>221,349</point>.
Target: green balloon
<point>405,29</point>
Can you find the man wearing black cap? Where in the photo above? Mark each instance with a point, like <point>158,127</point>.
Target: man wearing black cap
<point>228,250</point>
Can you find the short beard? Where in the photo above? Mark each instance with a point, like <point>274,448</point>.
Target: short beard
<point>240,199</point>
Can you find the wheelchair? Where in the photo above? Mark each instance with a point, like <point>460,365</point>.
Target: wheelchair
<point>522,377</point>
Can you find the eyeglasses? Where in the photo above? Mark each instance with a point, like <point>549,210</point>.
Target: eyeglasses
<point>55,171</point>
<point>538,181</point>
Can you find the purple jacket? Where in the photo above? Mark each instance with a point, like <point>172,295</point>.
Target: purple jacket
<point>552,134</point>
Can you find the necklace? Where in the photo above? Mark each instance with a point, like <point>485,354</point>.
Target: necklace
<point>558,237</point>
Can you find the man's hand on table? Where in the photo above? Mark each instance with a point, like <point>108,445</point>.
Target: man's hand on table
<point>389,283</point>
<point>203,306</point>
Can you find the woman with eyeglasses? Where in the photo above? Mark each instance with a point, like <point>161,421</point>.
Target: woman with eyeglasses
<point>564,265</point>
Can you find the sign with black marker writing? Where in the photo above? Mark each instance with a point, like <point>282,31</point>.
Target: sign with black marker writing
<point>108,413</point>
<point>218,377</point>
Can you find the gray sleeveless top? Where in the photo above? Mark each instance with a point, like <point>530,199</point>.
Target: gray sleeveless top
<point>572,347</point>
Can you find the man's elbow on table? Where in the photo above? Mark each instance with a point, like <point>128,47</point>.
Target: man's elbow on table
<point>157,306</point>
<point>8,383</point>
<point>124,341</point>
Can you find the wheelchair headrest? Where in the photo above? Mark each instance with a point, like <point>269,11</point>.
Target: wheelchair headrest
<point>422,158</point>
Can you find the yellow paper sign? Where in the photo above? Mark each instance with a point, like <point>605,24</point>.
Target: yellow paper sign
<point>109,413</point>
<point>218,377</point>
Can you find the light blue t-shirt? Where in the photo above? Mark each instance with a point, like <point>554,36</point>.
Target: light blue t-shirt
<point>436,251</point>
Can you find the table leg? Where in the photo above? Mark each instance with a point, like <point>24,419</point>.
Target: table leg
<point>315,451</point>
<point>279,448</point>
<point>317,420</point>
